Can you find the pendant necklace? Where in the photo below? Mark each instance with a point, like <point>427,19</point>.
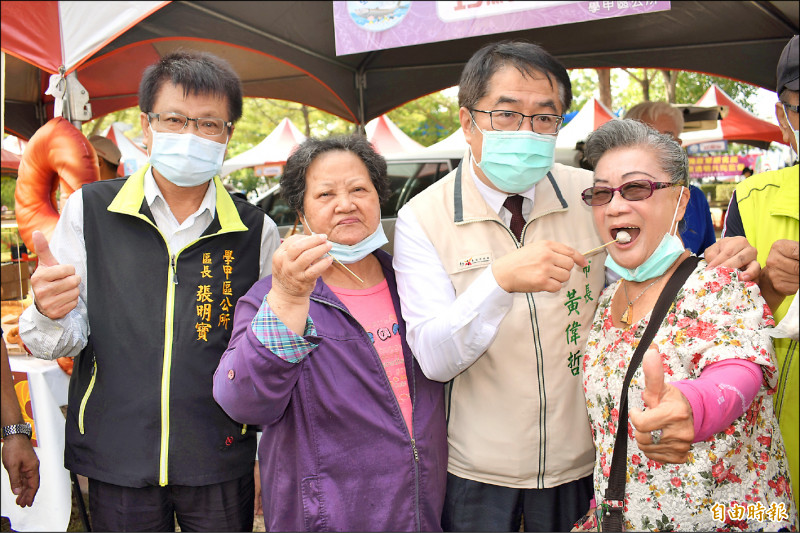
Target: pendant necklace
<point>627,316</point>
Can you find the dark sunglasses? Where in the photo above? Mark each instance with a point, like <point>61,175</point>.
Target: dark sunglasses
<point>633,191</point>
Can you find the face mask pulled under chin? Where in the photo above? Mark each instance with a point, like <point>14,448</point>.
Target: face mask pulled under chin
<point>186,159</point>
<point>353,253</point>
<point>666,253</point>
<point>515,161</point>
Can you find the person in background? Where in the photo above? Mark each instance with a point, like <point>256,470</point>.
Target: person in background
<point>747,172</point>
<point>580,156</point>
<point>765,209</point>
<point>708,440</point>
<point>19,459</point>
<point>142,424</point>
<point>485,261</point>
<point>108,156</point>
<point>697,230</point>
<point>354,433</point>
<point>233,191</point>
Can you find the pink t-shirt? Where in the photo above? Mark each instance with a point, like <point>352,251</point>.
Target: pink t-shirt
<point>374,310</point>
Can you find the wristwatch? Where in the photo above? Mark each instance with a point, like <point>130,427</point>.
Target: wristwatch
<point>17,429</point>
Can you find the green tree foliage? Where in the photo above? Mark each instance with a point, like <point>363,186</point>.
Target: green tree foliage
<point>246,180</point>
<point>627,91</point>
<point>260,116</point>
<point>692,85</point>
<point>7,186</point>
<point>584,87</point>
<point>128,116</point>
<point>428,119</point>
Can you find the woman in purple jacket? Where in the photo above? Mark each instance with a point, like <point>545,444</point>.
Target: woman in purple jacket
<point>354,434</point>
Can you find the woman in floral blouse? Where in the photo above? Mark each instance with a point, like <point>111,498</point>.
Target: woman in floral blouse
<point>706,453</point>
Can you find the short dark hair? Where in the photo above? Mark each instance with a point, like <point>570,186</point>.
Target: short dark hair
<point>103,161</point>
<point>293,181</point>
<point>198,73</point>
<point>526,57</point>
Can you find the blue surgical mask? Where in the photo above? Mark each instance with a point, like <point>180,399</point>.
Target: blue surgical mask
<point>515,161</point>
<point>353,253</point>
<point>669,249</point>
<point>186,159</point>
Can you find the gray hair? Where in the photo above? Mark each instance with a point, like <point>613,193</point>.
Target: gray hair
<point>629,133</point>
<point>293,181</point>
<point>526,57</point>
<point>650,112</point>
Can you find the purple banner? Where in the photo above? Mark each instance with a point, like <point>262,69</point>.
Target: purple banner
<point>720,165</point>
<point>362,26</point>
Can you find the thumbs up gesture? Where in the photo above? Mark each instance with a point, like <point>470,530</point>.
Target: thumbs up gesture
<point>55,287</point>
<point>668,410</point>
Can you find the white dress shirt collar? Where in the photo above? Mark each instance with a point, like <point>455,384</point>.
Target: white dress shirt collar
<point>153,192</point>
<point>495,198</point>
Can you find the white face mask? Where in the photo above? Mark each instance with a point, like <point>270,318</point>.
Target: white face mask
<point>353,253</point>
<point>186,159</point>
<point>666,253</point>
<point>796,141</point>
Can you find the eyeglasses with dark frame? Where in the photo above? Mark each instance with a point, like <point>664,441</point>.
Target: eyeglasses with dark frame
<point>501,120</point>
<point>633,191</point>
<point>795,108</point>
<point>175,122</point>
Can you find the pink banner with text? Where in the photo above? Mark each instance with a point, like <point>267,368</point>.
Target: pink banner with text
<point>720,165</point>
<point>362,26</point>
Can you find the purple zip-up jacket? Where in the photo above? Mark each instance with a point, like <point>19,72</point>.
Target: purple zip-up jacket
<point>335,452</point>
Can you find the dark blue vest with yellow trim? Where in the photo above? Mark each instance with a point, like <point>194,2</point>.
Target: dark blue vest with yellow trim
<point>141,410</point>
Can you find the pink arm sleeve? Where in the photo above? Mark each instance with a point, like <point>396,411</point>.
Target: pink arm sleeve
<point>720,395</point>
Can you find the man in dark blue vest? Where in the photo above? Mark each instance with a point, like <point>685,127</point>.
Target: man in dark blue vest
<point>139,284</point>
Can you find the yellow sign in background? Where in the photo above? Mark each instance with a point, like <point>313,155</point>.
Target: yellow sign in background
<point>22,388</point>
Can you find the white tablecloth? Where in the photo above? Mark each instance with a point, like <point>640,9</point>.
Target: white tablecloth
<point>51,508</point>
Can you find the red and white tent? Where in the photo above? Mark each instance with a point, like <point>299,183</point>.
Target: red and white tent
<point>133,156</point>
<point>10,161</point>
<point>388,139</point>
<point>59,37</point>
<point>65,34</point>
<point>273,150</point>
<point>738,125</point>
<point>14,144</point>
<point>592,115</point>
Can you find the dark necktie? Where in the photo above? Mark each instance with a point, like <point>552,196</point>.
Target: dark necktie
<point>514,205</point>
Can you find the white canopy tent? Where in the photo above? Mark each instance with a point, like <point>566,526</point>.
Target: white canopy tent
<point>454,146</point>
<point>273,150</point>
<point>451,147</point>
<point>592,115</point>
<point>388,139</point>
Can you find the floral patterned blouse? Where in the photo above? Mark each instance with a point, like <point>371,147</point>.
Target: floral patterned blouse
<point>735,480</point>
